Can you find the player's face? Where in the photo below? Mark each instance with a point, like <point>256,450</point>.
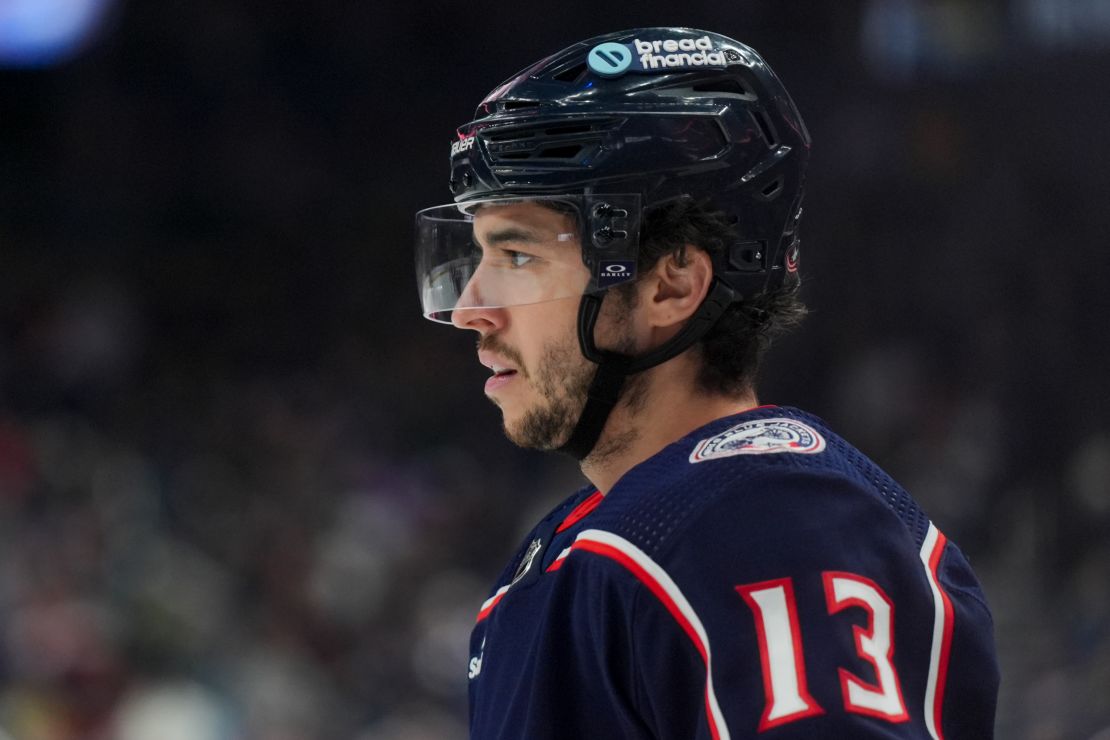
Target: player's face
<point>540,377</point>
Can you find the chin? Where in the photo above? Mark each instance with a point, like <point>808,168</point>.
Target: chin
<point>515,433</point>
<point>537,431</point>
<point>512,426</point>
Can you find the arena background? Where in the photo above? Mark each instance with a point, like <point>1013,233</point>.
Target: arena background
<point>247,492</point>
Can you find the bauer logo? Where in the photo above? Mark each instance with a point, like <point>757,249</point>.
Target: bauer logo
<point>612,59</point>
<point>613,272</point>
<point>760,437</point>
<point>462,145</point>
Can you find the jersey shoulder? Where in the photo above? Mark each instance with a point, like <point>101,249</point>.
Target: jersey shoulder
<point>764,472</point>
<point>567,512</point>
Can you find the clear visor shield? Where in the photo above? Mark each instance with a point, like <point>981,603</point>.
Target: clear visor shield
<point>501,252</point>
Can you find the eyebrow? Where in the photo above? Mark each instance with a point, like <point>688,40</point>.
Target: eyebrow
<point>515,234</point>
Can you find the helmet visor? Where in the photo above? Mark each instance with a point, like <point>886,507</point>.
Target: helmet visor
<point>516,251</point>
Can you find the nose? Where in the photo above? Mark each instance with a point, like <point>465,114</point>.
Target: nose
<point>473,315</point>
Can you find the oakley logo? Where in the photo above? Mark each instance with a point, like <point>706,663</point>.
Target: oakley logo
<point>610,59</point>
<point>614,273</point>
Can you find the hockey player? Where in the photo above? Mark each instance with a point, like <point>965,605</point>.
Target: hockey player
<point>624,241</point>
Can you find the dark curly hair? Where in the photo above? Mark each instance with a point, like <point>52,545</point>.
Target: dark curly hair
<point>734,348</point>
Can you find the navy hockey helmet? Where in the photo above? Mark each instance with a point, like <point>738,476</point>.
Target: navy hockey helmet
<point>663,112</point>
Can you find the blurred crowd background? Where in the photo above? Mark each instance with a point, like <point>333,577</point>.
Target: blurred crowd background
<point>247,493</point>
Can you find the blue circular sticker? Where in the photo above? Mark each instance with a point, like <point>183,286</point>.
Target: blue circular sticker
<point>609,59</point>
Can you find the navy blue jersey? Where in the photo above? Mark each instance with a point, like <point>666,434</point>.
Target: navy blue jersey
<point>758,578</point>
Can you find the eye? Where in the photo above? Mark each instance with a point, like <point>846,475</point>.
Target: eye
<point>518,259</point>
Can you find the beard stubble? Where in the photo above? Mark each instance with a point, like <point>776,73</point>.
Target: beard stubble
<point>562,379</point>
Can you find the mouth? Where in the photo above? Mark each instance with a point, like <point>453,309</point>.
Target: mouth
<point>501,377</point>
<point>503,372</point>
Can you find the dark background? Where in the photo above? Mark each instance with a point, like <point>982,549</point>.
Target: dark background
<point>246,491</point>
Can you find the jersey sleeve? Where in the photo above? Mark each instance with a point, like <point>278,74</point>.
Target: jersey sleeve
<point>807,611</point>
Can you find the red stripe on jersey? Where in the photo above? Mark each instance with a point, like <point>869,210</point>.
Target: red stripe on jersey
<point>581,511</point>
<point>558,562</point>
<point>491,603</point>
<point>630,561</point>
<point>946,636</point>
<point>652,584</point>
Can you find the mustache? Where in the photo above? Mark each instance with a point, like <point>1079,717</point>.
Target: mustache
<point>491,343</point>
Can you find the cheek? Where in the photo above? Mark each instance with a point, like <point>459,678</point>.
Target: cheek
<point>619,326</point>
<point>541,327</point>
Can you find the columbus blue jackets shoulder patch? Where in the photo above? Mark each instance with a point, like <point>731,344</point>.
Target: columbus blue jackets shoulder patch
<point>760,437</point>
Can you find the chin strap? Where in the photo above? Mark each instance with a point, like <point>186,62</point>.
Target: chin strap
<point>614,368</point>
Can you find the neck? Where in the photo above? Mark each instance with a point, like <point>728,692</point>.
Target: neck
<point>658,407</point>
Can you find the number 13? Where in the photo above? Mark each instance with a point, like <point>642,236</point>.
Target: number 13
<point>780,649</point>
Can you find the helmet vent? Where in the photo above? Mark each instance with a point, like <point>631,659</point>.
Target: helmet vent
<point>513,133</point>
<point>765,128</point>
<point>561,152</point>
<point>570,128</point>
<point>773,189</point>
<point>557,143</point>
<point>519,104</point>
<point>730,86</point>
<point>565,153</point>
<point>571,74</point>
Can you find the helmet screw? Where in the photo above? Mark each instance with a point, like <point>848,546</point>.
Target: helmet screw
<point>604,210</point>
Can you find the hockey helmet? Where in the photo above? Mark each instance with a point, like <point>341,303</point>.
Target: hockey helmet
<point>611,127</point>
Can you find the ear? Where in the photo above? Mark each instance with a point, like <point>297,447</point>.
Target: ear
<point>678,285</point>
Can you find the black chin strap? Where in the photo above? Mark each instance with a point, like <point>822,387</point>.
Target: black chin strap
<point>613,368</point>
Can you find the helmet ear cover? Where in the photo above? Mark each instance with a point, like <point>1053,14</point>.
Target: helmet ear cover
<point>747,266</point>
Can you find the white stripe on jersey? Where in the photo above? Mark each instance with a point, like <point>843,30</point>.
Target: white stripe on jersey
<point>931,551</point>
<point>663,586</point>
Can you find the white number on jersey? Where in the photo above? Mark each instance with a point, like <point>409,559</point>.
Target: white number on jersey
<point>783,662</point>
